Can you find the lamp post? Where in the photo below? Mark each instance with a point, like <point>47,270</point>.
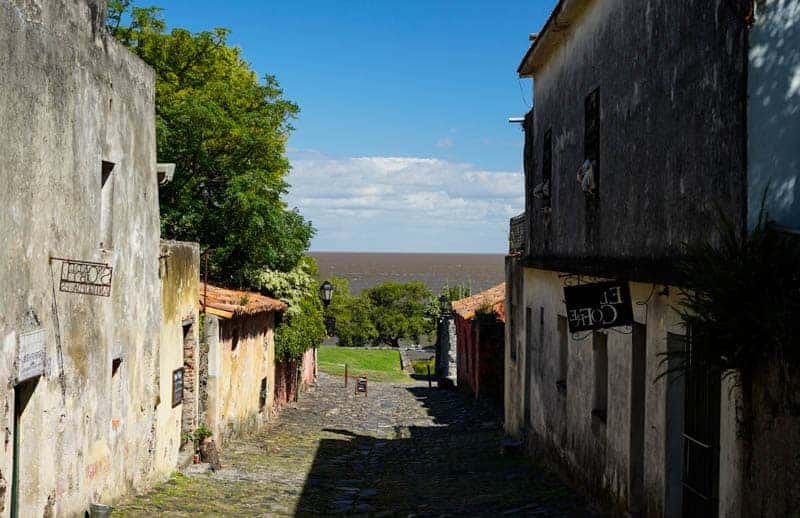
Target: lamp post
<point>445,306</point>
<point>325,294</point>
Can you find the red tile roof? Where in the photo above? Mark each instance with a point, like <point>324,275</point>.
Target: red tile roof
<point>495,297</point>
<point>228,303</point>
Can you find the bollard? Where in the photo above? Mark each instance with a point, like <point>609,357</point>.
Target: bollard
<point>429,375</point>
<point>345,375</point>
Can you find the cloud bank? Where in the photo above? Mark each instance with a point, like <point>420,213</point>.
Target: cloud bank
<point>404,204</point>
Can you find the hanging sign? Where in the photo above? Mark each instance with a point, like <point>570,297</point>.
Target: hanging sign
<point>177,387</point>
<point>30,355</point>
<point>598,306</point>
<point>86,278</point>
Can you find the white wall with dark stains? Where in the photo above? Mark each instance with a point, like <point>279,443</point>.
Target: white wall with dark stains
<point>599,454</point>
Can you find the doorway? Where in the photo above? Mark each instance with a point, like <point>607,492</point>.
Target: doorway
<point>22,397</point>
<point>701,437</point>
<point>637,424</point>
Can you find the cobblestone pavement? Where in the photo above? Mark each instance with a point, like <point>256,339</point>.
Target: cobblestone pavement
<point>405,450</point>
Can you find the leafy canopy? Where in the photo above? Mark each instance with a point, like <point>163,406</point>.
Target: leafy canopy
<point>226,132</point>
<point>399,310</point>
<point>354,327</point>
<point>302,325</point>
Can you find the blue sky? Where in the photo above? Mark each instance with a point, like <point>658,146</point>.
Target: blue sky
<point>402,143</point>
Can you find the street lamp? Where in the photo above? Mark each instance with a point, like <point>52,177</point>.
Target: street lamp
<point>445,307</point>
<point>326,292</point>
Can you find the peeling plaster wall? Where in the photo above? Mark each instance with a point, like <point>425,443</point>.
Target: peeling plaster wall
<point>774,111</point>
<point>672,84</point>
<point>593,453</point>
<point>235,374</point>
<point>71,97</point>
<point>180,280</point>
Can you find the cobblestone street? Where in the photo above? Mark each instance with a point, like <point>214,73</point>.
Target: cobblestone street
<point>405,450</point>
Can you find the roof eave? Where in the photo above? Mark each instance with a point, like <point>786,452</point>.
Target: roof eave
<point>542,46</point>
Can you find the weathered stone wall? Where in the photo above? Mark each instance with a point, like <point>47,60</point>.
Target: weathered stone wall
<point>515,362</point>
<point>672,128</point>
<point>446,353</point>
<point>70,98</point>
<point>238,361</point>
<point>600,454</point>
<point>180,279</point>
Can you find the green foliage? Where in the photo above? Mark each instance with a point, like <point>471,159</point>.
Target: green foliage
<point>292,286</point>
<point>399,310</point>
<point>486,313</point>
<point>226,132</point>
<point>457,292</point>
<point>199,433</point>
<point>742,297</point>
<point>354,327</point>
<point>296,334</point>
<point>302,326</point>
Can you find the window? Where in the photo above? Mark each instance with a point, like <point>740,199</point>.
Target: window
<point>547,167</point>
<point>563,354</point>
<point>591,134</point>
<point>262,395</point>
<point>106,203</point>
<point>600,353</point>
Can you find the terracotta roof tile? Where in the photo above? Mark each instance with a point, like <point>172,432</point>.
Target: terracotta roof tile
<point>495,296</point>
<point>237,302</point>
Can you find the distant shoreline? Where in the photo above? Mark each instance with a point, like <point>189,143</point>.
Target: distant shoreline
<point>479,271</point>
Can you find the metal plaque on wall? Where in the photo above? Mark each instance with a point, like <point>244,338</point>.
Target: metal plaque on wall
<point>598,306</point>
<point>86,278</point>
<point>30,355</point>
<point>177,387</point>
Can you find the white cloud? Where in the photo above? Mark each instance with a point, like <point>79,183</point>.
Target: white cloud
<point>404,204</point>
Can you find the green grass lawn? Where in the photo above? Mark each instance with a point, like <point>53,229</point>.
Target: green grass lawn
<point>376,364</point>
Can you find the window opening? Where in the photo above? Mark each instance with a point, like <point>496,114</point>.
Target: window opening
<point>106,204</point>
<point>262,395</point>
<point>543,189</point>
<point>600,352</point>
<point>588,173</point>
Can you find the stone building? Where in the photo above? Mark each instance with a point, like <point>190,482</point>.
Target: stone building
<point>479,327</point>
<point>238,366</point>
<point>179,351</point>
<point>291,377</point>
<point>80,262</point>
<point>641,129</point>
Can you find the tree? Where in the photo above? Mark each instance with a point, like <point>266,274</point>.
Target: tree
<point>226,132</point>
<point>302,326</point>
<point>354,327</point>
<point>398,310</point>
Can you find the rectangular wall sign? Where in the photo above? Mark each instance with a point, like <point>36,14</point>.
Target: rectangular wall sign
<point>177,387</point>
<point>598,306</point>
<point>86,278</point>
<point>30,355</point>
